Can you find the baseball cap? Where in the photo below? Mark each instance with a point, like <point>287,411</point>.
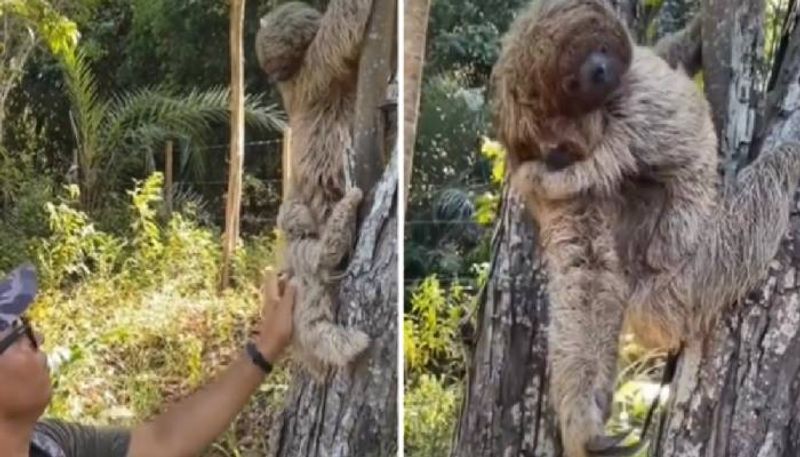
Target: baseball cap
<point>17,291</point>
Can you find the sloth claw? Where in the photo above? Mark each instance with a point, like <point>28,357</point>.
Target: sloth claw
<point>608,446</point>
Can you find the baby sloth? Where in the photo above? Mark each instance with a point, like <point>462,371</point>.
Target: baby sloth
<point>613,149</point>
<point>313,256</point>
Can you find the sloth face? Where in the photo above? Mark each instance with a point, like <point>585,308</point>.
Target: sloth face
<point>558,68</point>
<point>283,38</point>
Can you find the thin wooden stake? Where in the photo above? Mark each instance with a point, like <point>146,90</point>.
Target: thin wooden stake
<point>168,178</point>
<point>234,199</point>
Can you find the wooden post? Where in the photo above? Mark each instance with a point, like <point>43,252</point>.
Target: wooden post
<point>234,199</point>
<point>416,29</point>
<point>168,178</point>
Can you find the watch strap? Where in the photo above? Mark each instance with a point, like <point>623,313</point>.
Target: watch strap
<point>257,358</point>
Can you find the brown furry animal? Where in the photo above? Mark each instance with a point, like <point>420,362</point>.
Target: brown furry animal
<point>619,170</point>
<point>314,61</point>
<point>314,256</point>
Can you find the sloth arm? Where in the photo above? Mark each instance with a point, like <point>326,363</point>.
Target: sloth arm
<point>339,232</point>
<point>683,47</point>
<point>743,237</point>
<point>337,44</point>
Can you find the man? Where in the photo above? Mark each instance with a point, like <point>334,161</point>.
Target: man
<point>183,430</point>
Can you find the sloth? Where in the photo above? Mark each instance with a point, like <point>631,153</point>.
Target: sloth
<point>313,59</point>
<point>614,152</point>
<point>314,256</point>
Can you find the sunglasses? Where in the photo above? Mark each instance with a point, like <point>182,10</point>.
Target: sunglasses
<point>22,327</point>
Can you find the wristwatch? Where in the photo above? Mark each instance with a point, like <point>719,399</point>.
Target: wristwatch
<point>257,358</point>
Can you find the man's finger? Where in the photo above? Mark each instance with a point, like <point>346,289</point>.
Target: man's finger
<point>271,290</point>
<point>289,294</point>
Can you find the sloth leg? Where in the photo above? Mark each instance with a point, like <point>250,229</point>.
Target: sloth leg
<point>586,292</point>
<point>331,343</point>
<point>742,238</point>
<point>339,231</point>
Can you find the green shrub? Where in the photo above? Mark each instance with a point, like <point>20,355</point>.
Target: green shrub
<point>134,321</point>
<point>431,329</point>
<point>430,416</point>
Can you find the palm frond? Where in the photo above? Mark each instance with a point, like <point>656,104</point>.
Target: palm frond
<point>190,116</point>
<point>88,110</point>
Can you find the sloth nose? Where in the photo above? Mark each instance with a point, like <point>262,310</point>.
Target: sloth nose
<point>559,158</point>
<point>596,69</point>
<point>599,73</point>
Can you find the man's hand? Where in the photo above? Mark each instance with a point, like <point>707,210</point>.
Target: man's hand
<point>278,296</point>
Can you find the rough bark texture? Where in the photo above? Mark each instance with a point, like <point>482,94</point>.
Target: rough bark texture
<point>736,394</point>
<point>505,410</point>
<point>374,73</point>
<point>354,414</point>
<point>733,51</point>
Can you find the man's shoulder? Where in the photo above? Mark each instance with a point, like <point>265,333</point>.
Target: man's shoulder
<point>78,440</point>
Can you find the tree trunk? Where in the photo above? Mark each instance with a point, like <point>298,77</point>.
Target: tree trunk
<point>505,409</point>
<point>416,28</point>
<point>733,52</point>
<point>734,394</point>
<point>235,164</point>
<point>374,72</point>
<point>355,414</point>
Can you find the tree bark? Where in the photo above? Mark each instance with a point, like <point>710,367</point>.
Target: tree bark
<point>735,394</point>
<point>236,161</point>
<point>505,409</point>
<point>354,414</point>
<point>374,72</point>
<point>416,28</point>
<point>733,53</point>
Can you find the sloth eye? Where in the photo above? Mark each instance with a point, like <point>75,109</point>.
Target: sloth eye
<point>572,85</point>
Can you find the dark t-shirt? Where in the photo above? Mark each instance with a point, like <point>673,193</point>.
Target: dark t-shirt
<point>83,441</point>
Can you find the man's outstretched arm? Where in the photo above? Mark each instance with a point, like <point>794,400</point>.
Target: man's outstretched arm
<point>192,424</point>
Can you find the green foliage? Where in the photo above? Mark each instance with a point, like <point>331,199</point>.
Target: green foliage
<point>430,416</point>
<point>489,201</point>
<point>146,233</point>
<point>449,173</point>
<point>451,122</point>
<point>182,39</point>
<point>133,321</point>
<point>74,248</point>
<point>430,329</point>
<point>435,365</point>
<point>109,132</point>
<point>465,36</point>
<point>58,32</point>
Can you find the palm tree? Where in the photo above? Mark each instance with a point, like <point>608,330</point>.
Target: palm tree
<point>109,132</point>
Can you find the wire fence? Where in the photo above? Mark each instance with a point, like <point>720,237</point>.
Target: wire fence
<point>204,184</point>
<point>263,183</point>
